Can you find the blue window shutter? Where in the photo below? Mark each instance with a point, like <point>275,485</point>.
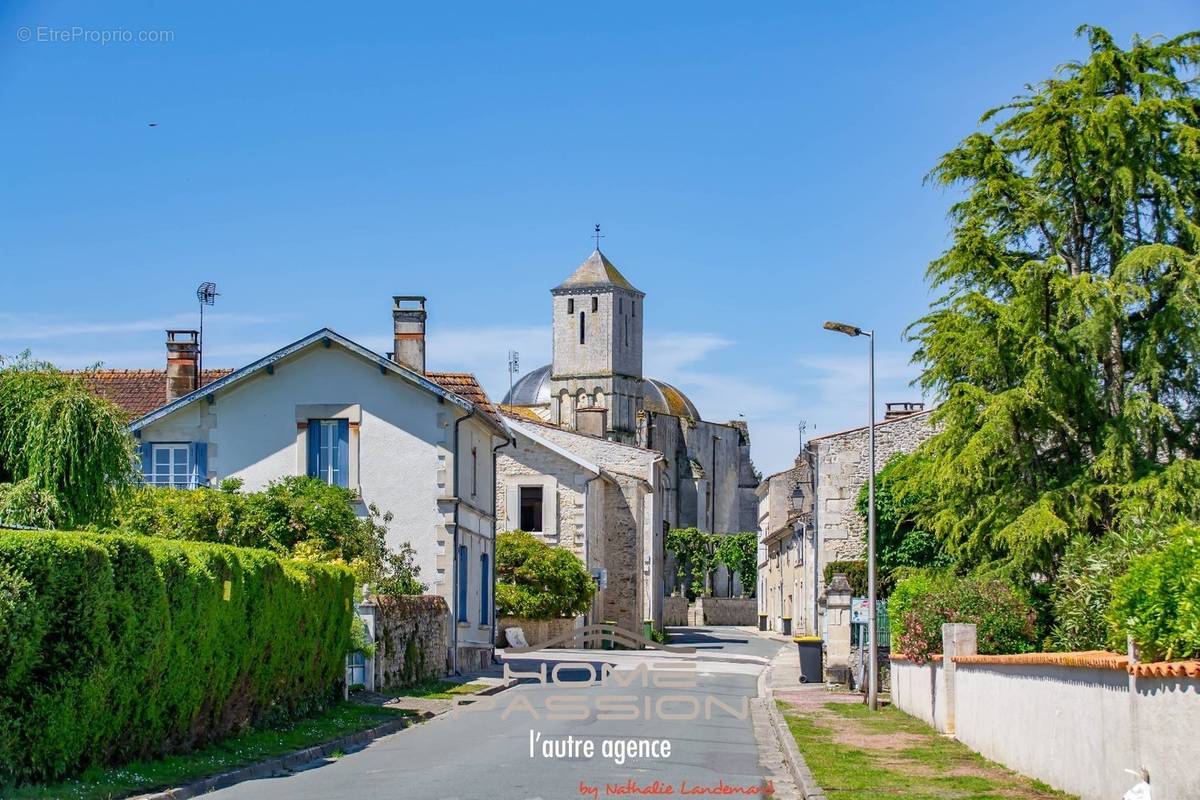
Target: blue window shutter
<point>462,582</point>
<point>200,463</point>
<point>483,589</point>
<point>147,453</point>
<point>343,452</point>
<point>314,448</point>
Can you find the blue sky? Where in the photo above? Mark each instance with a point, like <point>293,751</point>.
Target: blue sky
<point>757,169</point>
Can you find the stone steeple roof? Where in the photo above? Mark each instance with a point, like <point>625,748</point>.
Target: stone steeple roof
<point>596,272</point>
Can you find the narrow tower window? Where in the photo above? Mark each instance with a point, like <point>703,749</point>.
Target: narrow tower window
<point>570,305</point>
<point>633,308</point>
<point>595,304</point>
<point>582,320</point>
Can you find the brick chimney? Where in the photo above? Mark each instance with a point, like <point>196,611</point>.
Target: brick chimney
<point>183,348</point>
<point>408,321</point>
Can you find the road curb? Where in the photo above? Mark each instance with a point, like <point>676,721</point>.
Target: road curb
<point>289,762</point>
<point>809,789</point>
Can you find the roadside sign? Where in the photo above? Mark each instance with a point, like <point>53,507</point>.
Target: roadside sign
<point>858,610</point>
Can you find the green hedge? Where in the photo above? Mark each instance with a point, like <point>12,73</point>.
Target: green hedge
<point>115,646</point>
<point>1157,601</point>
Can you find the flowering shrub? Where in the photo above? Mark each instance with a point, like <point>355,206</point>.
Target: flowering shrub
<point>922,602</point>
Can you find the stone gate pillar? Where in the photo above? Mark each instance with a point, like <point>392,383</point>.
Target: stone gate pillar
<point>837,640</point>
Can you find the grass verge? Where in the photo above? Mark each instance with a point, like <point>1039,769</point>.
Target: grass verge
<point>855,754</point>
<point>139,777</point>
<point>438,690</point>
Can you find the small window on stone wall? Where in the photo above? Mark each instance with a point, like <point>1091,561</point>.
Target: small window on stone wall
<point>595,304</point>
<point>531,509</point>
<point>570,305</point>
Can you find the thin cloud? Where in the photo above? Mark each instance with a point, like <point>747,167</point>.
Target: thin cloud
<point>40,326</point>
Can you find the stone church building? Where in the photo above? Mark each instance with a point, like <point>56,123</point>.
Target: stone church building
<point>593,402</point>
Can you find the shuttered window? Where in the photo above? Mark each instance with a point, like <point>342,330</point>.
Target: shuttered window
<point>329,451</point>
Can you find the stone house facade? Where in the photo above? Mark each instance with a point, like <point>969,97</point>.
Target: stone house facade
<point>808,515</point>
<point>785,548</point>
<point>601,500</point>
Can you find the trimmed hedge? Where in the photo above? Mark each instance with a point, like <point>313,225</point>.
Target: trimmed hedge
<point>115,647</point>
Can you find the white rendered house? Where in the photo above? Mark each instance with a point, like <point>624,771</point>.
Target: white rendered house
<point>400,438</point>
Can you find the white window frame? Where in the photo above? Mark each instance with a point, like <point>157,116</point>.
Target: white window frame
<point>172,448</point>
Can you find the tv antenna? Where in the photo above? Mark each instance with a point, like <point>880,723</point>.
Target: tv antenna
<point>514,366</point>
<point>206,293</point>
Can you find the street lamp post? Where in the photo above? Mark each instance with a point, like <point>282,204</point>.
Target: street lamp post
<point>872,635</point>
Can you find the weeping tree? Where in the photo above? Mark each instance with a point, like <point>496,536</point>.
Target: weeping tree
<point>65,454</point>
<point>1065,346</point>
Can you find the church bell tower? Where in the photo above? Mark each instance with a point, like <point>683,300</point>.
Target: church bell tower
<point>596,376</point>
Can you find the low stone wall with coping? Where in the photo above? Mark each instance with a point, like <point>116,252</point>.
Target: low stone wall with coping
<point>412,640</point>
<point>537,631</point>
<point>1076,721</point>
<point>728,610</point>
<point>675,611</point>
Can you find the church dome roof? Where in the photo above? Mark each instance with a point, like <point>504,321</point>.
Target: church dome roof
<point>663,398</point>
<point>533,389</point>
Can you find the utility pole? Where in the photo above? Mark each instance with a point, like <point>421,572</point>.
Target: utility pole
<point>872,616</point>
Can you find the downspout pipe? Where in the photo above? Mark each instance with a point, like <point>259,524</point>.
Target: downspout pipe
<point>454,583</point>
<point>492,560</point>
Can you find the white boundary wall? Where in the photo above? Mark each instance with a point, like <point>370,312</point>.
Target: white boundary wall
<point>1076,728</point>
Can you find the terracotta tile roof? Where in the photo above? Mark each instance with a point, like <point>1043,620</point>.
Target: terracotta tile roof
<point>1166,669</point>
<point>137,391</point>
<point>1095,659</point>
<point>465,386</point>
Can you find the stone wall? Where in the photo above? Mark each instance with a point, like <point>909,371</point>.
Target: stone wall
<point>537,631</point>
<point>563,485</point>
<point>842,469</point>
<point>675,611</point>
<point>412,640</point>
<point>728,610</point>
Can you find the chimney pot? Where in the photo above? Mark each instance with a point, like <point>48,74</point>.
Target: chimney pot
<point>408,324</point>
<point>183,349</point>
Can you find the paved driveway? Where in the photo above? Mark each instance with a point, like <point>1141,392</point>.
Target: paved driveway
<point>483,750</point>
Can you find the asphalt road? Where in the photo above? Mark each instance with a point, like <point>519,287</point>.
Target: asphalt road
<point>482,751</point>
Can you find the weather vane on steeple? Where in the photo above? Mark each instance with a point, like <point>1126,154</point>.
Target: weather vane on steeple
<point>598,235</point>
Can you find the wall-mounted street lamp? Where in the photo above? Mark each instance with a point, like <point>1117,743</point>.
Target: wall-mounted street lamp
<point>872,634</point>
